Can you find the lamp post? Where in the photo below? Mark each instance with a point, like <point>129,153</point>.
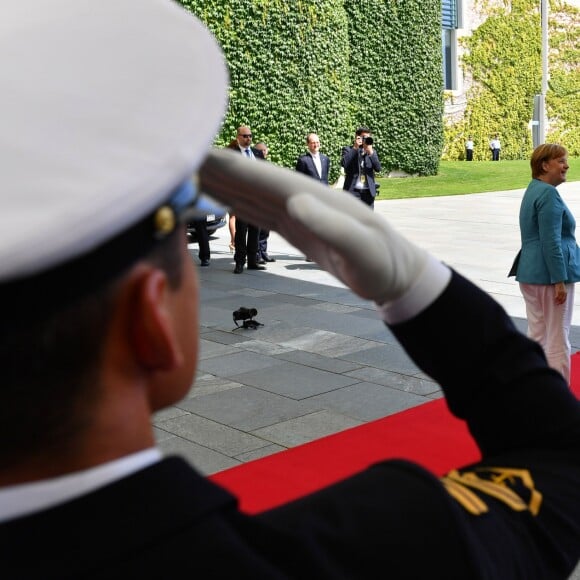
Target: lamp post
<point>540,121</point>
<point>545,50</point>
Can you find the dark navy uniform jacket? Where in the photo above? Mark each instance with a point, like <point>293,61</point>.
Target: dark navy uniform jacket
<point>514,514</point>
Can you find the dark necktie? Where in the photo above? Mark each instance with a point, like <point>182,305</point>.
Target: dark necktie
<point>248,153</point>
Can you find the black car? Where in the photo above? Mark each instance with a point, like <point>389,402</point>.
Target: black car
<point>215,221</point>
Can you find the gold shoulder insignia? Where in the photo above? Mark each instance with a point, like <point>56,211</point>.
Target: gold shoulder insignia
<point>514,487</point>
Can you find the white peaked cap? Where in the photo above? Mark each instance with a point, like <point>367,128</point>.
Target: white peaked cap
<point>106,106</point>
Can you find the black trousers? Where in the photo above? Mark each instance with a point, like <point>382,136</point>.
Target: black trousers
<point>263,243</point>
<point>202,239</point>
<point>365,196</point>
<point>246,242</point>
<point>469,155</point>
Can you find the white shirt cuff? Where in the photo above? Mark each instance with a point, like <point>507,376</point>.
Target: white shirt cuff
<point>426,289</point>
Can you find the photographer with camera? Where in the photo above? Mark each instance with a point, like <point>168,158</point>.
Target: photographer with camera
<point>360,161</point>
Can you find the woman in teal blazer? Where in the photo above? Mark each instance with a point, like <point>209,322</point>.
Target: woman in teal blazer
<point>549,261</point>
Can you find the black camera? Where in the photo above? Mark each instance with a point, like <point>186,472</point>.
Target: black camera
<point>247,316</point>
<point>243,313</point>
<point>367,140</point>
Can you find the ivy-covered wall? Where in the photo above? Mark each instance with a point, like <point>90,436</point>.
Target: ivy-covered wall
<point>284,62</point>
<point>328,66</point>
<point>396,80</point>
<point>504,59</point>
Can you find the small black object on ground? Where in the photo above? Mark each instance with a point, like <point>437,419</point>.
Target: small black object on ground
<point>246,315</point>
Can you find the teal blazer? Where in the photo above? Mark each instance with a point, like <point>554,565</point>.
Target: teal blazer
<point>549,251</point>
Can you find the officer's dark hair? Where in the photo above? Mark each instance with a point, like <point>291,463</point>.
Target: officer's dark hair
<point>362,130</point>
<point>50,366</point>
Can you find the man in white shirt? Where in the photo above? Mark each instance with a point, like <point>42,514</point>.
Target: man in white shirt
<point>314,163</point>
<point>495,147</point>
<point>469,149</point>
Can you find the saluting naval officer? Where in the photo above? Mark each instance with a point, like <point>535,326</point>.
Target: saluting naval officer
<point>109,108</point>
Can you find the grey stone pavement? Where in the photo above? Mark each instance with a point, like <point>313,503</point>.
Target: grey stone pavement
<point>322,361</point>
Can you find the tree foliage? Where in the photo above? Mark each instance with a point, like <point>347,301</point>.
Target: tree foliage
<point>505,61</point>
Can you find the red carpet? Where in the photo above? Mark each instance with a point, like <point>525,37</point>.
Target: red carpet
<point>428,435</point>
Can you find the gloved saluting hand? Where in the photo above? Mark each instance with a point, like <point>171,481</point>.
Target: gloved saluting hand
<point>343,235</point>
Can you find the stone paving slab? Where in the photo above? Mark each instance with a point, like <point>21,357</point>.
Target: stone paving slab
<point>205,460</point>
<point>327,343</point>
<point>248,408</point>
<point>409,384</point>
<point>389,357</point>
<point>238,362</point>
<point>316,361</point>
<point>295,381</point>
<point>307,428</point>
<point>223,337</point>
<point>259,453</point>
<point>209,349</point>
<point>211,434</point>
<point>208,384</point>
<point>368,401</point>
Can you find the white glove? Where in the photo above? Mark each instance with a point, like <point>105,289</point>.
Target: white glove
<point>358,246</point>
<point>343,235</point>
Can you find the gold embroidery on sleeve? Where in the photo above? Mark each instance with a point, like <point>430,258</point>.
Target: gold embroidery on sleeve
<point>469,500</point>
<point>501,483</point>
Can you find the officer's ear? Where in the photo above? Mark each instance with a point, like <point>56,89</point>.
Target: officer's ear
<point>150,320</point>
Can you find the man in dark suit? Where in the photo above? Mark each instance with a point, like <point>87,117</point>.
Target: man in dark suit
<point>247,235</point>
<point>314,163</point>
<point>360,162</point>
<point>114,337</point>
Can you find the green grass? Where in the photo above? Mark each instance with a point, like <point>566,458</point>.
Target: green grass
<point>462,177</point>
